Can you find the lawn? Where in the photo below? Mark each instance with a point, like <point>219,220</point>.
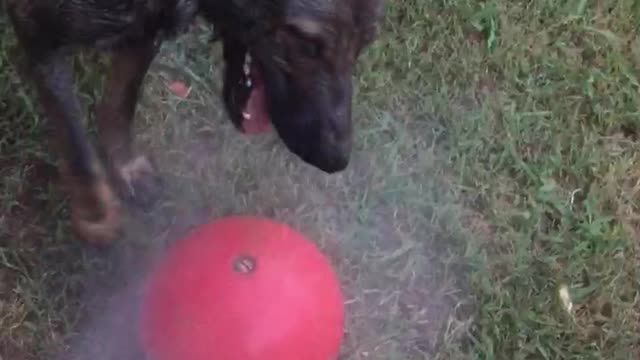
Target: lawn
<point>496,169</point>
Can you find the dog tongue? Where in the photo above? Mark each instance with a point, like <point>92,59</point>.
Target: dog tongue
<point>259,121</point>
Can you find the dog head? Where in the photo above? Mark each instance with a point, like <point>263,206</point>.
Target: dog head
<point>290,63</point>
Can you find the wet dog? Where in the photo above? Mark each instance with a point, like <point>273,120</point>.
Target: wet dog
<point>288,62</point>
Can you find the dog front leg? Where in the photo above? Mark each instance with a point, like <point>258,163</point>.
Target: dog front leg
<point>133,173</point>
<point>94,208</point>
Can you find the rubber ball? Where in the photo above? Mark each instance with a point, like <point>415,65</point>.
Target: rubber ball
<point>242,288</point>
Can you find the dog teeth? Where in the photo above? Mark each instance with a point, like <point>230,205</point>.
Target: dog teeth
<point>246,67</point>
<point>247,64</point>
<point>246,115</point>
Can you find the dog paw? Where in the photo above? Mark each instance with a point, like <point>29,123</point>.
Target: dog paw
<point>139,182</point>
<point>95,214</point>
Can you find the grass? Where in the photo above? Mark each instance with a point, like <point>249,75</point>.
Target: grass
<point>496,165</point>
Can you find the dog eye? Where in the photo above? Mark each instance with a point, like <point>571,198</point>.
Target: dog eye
<point>311,48</point>
<point>308,46</point>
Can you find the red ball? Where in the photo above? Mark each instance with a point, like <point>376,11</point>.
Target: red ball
<point>242,288</point>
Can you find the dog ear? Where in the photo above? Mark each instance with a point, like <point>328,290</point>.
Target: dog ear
<point>368,14</point>
<point>370,10</point>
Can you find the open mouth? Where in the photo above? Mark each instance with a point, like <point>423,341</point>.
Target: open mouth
<point>255,118</point>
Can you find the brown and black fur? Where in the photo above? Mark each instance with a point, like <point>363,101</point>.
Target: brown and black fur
<point>306,50</point>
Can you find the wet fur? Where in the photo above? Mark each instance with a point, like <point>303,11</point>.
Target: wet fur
<point>306,50</point>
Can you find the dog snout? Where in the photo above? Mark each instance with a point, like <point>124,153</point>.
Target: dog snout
<point>334,162</point>
<point>336,147</point>
<point>336,139</point>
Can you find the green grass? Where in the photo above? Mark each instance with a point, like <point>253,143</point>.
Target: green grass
<point>497,162</point>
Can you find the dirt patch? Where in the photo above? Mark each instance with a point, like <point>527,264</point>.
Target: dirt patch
<point>477,225</point>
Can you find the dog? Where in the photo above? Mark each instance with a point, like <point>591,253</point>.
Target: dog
<point>288,62</point>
